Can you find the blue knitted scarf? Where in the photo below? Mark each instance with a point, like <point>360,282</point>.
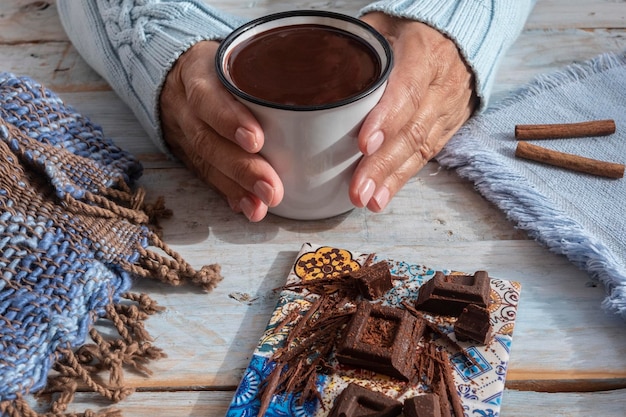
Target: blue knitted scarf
<point>72,237</point>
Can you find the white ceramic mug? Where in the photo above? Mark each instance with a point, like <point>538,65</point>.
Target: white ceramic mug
<point>313,148</point>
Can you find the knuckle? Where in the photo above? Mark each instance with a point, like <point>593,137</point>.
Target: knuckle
<point>195,92</point>
<point>241,169</point>
<point>378,166</point>
<point>211,156</point>
<point>416,134</point>
<point>425,152</point>
<point>419,144</point>
<point>222,116</point>
<point>199,142</point>
<point>198,147</point>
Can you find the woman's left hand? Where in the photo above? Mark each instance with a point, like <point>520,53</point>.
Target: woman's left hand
<point>429,95</point>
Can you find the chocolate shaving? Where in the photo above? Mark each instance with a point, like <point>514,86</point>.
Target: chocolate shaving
<point>444,402</point>
<point>437,374</point>
<point>303,356</point>
<point>268,389</point>
<point>344,283</point>
<point>301,322</point>
<point>289,318</point>
<point>369,259</point>
<point>448,378</point>
<point>433,327</point>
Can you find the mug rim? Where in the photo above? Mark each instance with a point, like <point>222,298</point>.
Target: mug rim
<point>230,38</point>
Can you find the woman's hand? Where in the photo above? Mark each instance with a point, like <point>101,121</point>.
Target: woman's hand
<point>430,94</point>
<point>215,135</point>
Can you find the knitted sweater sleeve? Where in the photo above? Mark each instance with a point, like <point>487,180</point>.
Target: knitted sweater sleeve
<point>482,29</point>
<point>133,44</point>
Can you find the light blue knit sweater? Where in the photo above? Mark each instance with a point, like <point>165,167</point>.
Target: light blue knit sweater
<point>134,43</point>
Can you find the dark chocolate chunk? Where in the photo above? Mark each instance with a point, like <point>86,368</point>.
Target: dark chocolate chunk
<point>357,401</point>
<point>424,405</point>
<point>373,281</point>
<point>450,294</point>
<point>474,323</point>
<point>382,339</point>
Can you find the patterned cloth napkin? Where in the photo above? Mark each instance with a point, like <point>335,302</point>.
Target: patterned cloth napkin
<point>578,215</point>
<point>72,237</point>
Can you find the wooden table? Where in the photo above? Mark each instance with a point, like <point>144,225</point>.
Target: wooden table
<point>568,356</point>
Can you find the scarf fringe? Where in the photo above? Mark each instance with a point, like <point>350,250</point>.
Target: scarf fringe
<point>100,206</point>
<point>173,269</point>
<point>84,367</point>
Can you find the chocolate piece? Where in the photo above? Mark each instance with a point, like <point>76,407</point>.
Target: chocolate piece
<point>425,405</point>
<point>450,294</point>
<point>373,281</point>
<point>382,339</point>
<point>474,323</point>
<point>357,401</point>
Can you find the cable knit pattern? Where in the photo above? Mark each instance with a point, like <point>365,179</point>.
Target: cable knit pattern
<point>482,29</point>
<point>134,43</point>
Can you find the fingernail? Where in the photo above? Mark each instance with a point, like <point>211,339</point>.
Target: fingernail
<point>381,197</point>
<point>374,142</point>
<point>264,191</point>
<point>247,206</point>
<point>234,204</point>
<point>246,139</point>
<point>366,191</point>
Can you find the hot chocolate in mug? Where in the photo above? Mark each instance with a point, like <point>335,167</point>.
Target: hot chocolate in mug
<point>309,78</point>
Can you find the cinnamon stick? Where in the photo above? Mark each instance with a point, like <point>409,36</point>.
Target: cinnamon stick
<point>565,130</point>
<point>569,161</point>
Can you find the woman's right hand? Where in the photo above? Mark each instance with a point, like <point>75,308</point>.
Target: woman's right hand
<point>215,135</point>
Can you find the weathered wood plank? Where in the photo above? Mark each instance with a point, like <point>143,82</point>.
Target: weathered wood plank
<point>55,64</point>
<point>118,122</point>
<point>215,403</point>
<point>532,404</point>
<point>544,51</point>
<point>561,333</point>
<point>580,14</point>
<point>29,21</point>
<point>445,208</point>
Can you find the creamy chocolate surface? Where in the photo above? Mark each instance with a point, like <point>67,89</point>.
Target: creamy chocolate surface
<point>303,65</point>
